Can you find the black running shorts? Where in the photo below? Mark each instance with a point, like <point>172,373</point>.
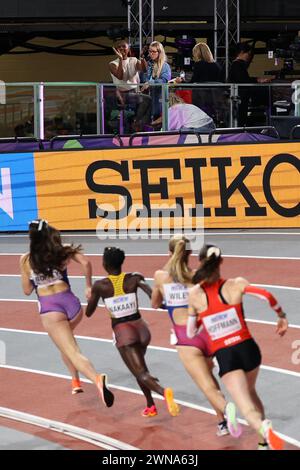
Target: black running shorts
<point>245,356</point>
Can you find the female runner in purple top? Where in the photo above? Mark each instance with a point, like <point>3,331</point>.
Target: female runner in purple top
<point>44,269</point>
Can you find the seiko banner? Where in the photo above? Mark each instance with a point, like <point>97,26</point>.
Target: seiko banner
<point>230,186</point>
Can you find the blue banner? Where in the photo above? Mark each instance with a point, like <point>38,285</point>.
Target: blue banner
<point>18,203</point>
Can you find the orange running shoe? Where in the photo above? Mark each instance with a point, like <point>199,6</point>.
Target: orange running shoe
<point>173,408</point>
<point>275,442</point>
<point>105,394</point>
<point>76,386</point>
<point>149,412</point>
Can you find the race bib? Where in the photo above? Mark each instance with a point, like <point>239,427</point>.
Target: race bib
<point>122,305</point>
<point>222,324</point>
<point>176,295</point>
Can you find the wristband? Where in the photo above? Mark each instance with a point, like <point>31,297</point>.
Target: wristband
<point>281,315</point>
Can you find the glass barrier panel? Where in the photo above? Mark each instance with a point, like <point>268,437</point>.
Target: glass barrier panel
<point>70,110</point>
<point>17,114</point>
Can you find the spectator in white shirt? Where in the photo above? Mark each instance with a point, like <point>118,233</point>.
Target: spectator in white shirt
<point>125,75</point>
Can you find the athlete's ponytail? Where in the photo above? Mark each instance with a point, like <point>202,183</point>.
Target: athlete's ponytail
<point>210,258</point>
<point>177,266</point>
<point>47,251</point>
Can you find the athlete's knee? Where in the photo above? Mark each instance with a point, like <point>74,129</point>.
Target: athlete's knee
<point>71,350</point>
<point>143,376</point>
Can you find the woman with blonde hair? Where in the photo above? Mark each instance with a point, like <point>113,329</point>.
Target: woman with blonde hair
<point>158,71</point>
<point>205,67</point>
<point>171,285</point>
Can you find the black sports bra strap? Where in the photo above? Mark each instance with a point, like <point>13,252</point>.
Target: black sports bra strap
<point>220,293</point>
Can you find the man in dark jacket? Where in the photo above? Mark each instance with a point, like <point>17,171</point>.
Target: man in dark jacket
<point>238,73</point>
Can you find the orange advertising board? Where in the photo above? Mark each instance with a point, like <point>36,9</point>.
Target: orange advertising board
<point>240,186</point>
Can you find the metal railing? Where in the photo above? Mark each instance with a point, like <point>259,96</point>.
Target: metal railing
<point>44,110</point>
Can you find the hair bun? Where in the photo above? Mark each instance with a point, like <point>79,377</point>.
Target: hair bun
<point>213,250</point>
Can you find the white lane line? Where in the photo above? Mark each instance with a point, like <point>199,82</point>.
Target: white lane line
<point>128,255</point>
<point>155,348</point>
<point>204,409</point>
<point>150,309</point>
<point>206,234</point>
<point>81,434</point>
<point>270,286</point>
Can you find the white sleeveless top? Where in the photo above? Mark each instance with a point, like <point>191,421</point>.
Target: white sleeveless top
<point>131,77</point>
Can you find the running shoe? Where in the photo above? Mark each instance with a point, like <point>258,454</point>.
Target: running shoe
<point>263,446</point>
<point>105,394</point>
<point>274,441</point>
<point>173,408</point>
<point>222,429</point>
<point>149,412</point>
<point>76,386</point>
<point>233,425</point>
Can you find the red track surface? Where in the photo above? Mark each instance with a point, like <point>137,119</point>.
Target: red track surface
<point>39,394</point>
<point>50,398</point>
<point>259,271</point>
<point>24,316</point>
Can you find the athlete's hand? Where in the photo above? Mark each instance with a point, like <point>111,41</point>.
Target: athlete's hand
<point>88,293</point>
<point>282,326</point>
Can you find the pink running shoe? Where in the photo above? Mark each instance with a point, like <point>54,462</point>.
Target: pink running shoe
<point>149,412</point>
<point>233,425</point>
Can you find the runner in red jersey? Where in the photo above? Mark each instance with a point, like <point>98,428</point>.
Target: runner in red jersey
<point>217,305</point>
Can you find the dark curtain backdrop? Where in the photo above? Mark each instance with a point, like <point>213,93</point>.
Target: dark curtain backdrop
<point>17,9</point>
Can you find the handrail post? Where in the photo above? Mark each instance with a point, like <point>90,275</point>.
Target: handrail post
<point>296,97</point>
<point>234,102</point>
<point>100,109</point>
<point>165,106</point>
<point>39,131</point>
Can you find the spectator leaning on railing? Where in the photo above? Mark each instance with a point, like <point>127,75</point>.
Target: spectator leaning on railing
<point>187,117</point>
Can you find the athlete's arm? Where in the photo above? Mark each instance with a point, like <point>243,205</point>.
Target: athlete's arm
<point>143,284</point>
<point>192,326</point>
<point>265,295</point>
<point>157,297</point>
<point>25,277</point>
<point>87,270</point>
<point>94,299</point>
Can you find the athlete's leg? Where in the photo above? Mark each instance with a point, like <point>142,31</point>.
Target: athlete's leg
<point>237,385</point>
<point>133,356</point>
<point>199,368</point>
<point>252,377</point>
<point>60,331</point>
<point>73,371</point>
